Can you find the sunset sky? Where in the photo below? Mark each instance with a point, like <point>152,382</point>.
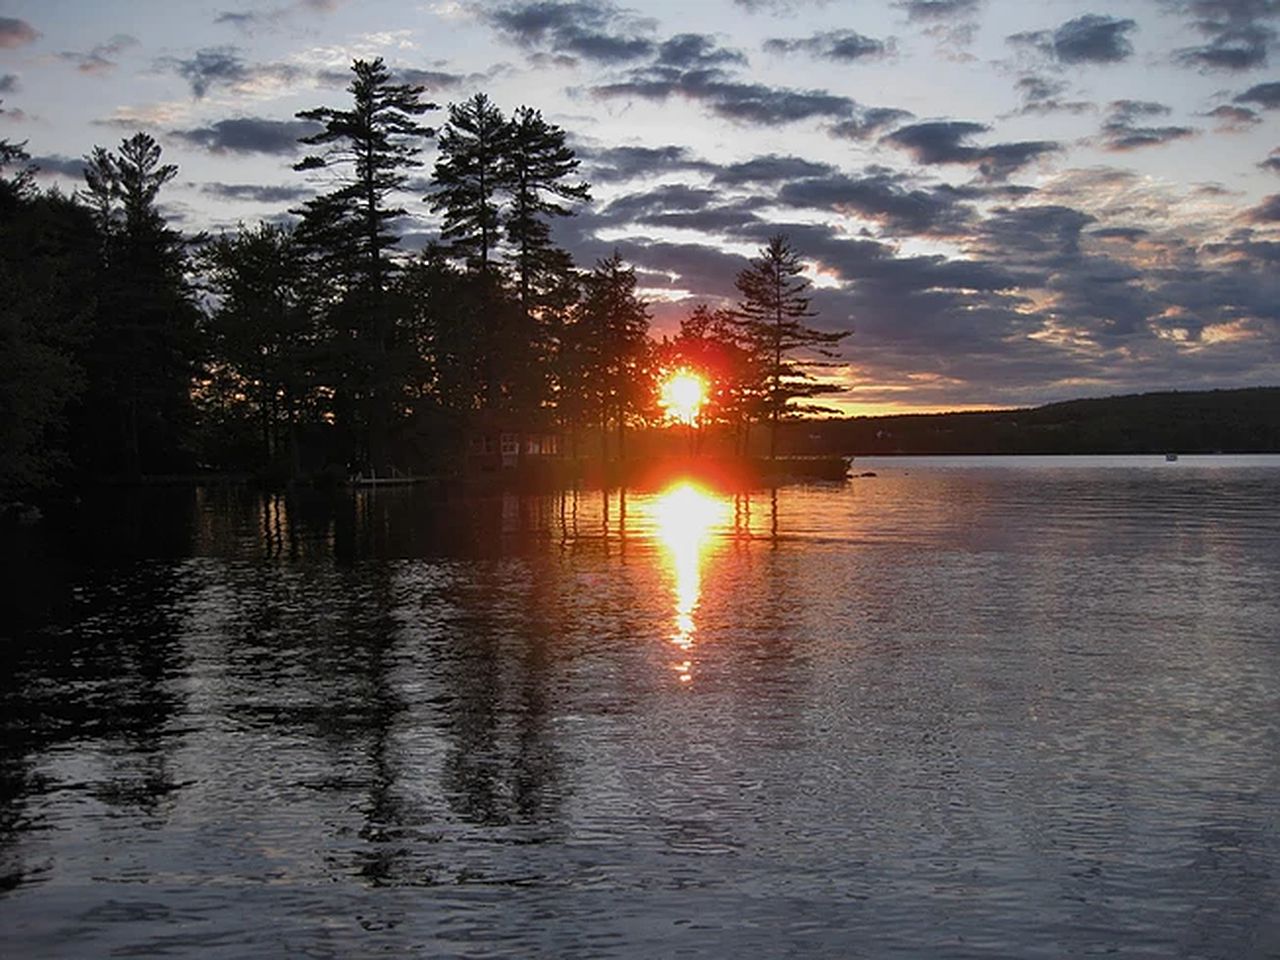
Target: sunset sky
<point>1009,203</point>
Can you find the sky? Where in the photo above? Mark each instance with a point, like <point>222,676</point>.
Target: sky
<point>1009,203</point>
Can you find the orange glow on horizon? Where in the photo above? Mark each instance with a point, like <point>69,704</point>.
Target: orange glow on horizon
<point>682,396</point>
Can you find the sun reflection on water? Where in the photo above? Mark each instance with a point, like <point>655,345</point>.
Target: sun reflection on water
<point>685,517</point>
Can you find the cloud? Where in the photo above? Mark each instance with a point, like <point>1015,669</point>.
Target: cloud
<point>215,67</point>
<point>1240,34</point>
<point>16,33</point>
<point>939,9</point>
<point>688,51</point>
<point>750,103</point>
<point>769,169</point>
<point>9,83</point>
<point>946,141</point>
<point>1123,131</point>
<point>1233,119</point>
<point>1087,39</point>
<point>1041,95</point>
<point>868,122</point>
<point>1267,212</point>
<point>778,7</point>
<point>615,164</point>
<point>844,46</point>
<point>246,135</point>
<point>1093,39</point>
<point>882,199</point>
<point>100,60</point>
<point>257,193</point>
<point>1266,95</point>
<point>249,20</point>
<point>431,80</point>
<point>592,30</point>
<point>1272,162</point>
<point>55,164</point>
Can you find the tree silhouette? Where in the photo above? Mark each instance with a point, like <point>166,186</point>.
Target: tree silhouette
<point>469,176</point>
<point>538,164</point>
<point>610,341</point>
<point>372,145</point>
<point>48,272</point>
<point>770,316</point>
<point>264,335</point>
<point>144,345</point>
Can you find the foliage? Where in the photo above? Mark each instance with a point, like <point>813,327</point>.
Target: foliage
<point>143,346</point>
<point>770,319</point>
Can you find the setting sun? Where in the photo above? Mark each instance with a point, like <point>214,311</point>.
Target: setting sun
<point>683,394</point>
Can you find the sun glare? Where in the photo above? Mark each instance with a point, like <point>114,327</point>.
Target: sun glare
<point>686,517</point>
<point>683,394</point>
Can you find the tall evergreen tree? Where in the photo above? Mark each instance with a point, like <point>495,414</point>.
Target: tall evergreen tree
<point>470,175</point>
<point>538,165</point>
<point>144,343</point>
<point>263,335</point>
<point>48,275</point>
<point>610,339</point>
<point>775,303</point>
<point>372,145</point>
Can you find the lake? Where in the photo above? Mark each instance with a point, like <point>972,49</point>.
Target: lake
<point>968,707</point>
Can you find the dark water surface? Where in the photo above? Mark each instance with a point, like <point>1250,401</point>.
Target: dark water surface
<point>965,708</point>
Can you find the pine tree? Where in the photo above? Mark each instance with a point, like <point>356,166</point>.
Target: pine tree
<point>538,165</point>
<point>373,144</point>
<point>610,338</point>
<point>470,175</point>
<point>144,347</point>
<point>770,316</point>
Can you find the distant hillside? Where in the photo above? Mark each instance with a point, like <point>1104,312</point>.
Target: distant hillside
<point>1228,421</point>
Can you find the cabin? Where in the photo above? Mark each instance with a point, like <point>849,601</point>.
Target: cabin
<point>496,444</point>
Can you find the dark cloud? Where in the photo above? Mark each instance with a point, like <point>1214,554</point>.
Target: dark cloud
<point>1087,39</point>
<point>1266,95</point>
<point>883,199</point>
<point>1041,95</point>
<point>590,29</point>
<point>213,67</point>
<point>257,193</point>
<point>628,163</point>
<point>9,83</point>
<point>1093,39</point>
<point>1240,33</point>
<point>778,6</point>
<point>16,33</point>
<point>751,103</point>
<point>255,19</point>
<point>946,141</point>
<point>1131,234</point>
<point>1124,129</point>
<point>249,135</point>
<point>939,9</point>
<point>634,206</point>
<point>868,122</point>
<point>1233,119</point>
<point>770,169</point>
<point>101,59</point>
<point>846,46</point>
<point>55,164</point>
<point>1268,211</point>
<point>687,51</point>
<point>432,80</point>
<point>1272,162</point>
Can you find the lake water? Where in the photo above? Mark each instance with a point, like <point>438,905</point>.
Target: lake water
<point>1023,707</point>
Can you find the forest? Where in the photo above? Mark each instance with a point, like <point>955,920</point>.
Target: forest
<point>316,349</point>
